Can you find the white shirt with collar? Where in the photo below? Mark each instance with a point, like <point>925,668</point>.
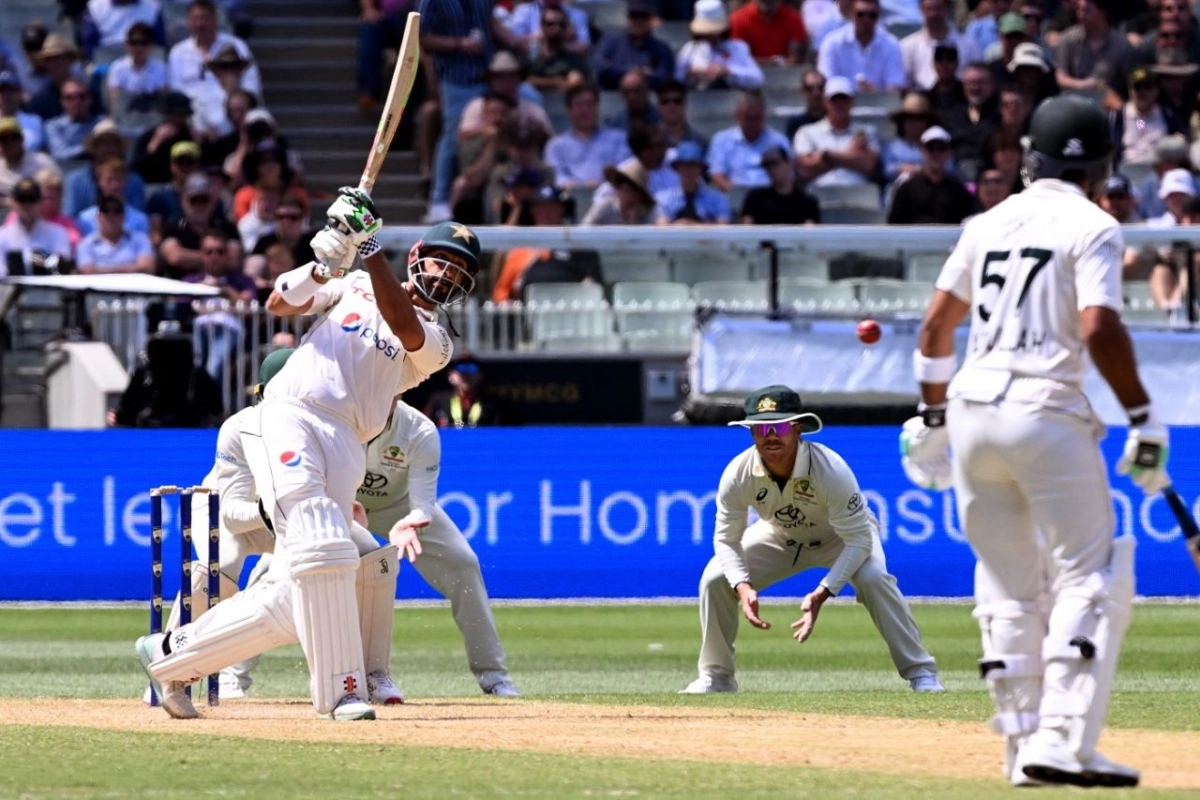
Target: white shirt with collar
<point>113,21</point>
<point>880,62</point>
<point>96,251</point>
<point>185,65</point>
<point>916,52</point>
<point>45,236</point>
<point>820,135</point>
<point>820,499</point>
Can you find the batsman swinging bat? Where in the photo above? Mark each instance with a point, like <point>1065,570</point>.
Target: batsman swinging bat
<point>402,84</point>
<point>1191,532</point>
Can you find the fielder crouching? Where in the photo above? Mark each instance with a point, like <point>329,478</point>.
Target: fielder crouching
<point>811,514</point>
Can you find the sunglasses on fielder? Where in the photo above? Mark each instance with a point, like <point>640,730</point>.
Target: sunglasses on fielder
<point>764,429</point>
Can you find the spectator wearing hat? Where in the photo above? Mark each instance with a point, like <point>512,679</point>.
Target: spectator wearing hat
<point>1012,35</point>
<point>180,253</point>
<point>649,146</point>
<point>26,231</point>
<point>991,189</point>
<point>257,133</point>
<point>165,206</point>
<point>523,164</point>
<point>947,95</point>
<point>904,154</point>
<point>104,143</point>
<point>1091,52</point>
<point>671,102</point>
<point>784,201</point>
<point>106,23</point>
<point>209,120</point>
<point>932,196</point>
<point>15,161</point>
<point>917,49</point>
<point>58,58</point>
<point>135,81</point>
<point>152,150</point>
<point>1178,85</point>
<point>631,203</point>
<point>32,127</point>
<point>837,151</point>
<point>552,65</point>
<point>525,23</point>
<point>862,53</point>
<point>984,30</point>
<point>50,182</point>
<point>1177,29</point>
<point>114,246</point>
<point>186,61</point>
<point>67,133</point>
<point>1176,188</point>
<point>1032,15</point>
<point>636,48</point>
<point>692,202</point>
<point>503,77</point>
<point>1177,192</point>
<point>1141,122</point>
<point>712,60</point>
<point>580,154</point>
<point>735,153</point>
<point>774,32</point>
<point>24,60</point>
<point>1031,73</point>
<point>111,176</point>
<point>636,108</point>
<point>1118,200</point>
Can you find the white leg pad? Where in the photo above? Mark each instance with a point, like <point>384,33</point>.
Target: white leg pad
<point>323,563</point>
<point>1012,665</point>
<point>243,626</point>
<point>376,588</point>
<point>1087,627</point>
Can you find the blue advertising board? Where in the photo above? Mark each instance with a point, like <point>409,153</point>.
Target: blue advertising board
<point>552,512</point>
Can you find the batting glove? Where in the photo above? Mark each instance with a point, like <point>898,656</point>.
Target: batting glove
<point>1145,457</point>
<point>335,253</point>
<point>925,450</point>
<point>353,213</point>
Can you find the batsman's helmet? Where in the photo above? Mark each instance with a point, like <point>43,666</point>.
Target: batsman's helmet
<point>1068,138</point>
<point>439,279</point>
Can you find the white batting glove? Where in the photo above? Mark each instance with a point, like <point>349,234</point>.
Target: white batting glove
<point>1145,457</point>
<point>353,213</point>
<point>335,253</point>
<point>925,452</point>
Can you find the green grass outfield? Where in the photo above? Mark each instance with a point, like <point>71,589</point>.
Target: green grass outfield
<point>613,655</point>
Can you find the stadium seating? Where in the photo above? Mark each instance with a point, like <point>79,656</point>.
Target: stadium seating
<point>924,268</point>
<point>653,316</point>
<point>893,297</point>
<point>617,267</point>
<point>715,265</point>
<point>820,297</point>
<point>733,295</point>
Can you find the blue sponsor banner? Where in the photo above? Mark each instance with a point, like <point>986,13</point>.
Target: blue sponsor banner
<point>552,512</point>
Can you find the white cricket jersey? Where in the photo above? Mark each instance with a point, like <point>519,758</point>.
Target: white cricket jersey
<point>821,499</point>
<point>350,365</point>
<point>402,468</point>
<point>1028,268</point>
<point>232,479</point>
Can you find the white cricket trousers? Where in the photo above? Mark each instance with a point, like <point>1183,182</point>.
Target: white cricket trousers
<point>769,560</point>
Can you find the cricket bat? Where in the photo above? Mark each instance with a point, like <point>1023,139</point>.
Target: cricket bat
<point>1191,532</point>
<point>402,83</point>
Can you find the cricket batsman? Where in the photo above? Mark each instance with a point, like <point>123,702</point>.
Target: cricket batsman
<point>1040,277</point>
<point>377,337</point>
<point>811,514</point>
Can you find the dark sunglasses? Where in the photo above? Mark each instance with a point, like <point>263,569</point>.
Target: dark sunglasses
<point>765,429</point>
<point>937,147</point>
<point>1170,36</point>
<point>140,42</point>
<point>867,14</point>
<point>112,212</point>
<point>214,251</point>
<point>200,199</point>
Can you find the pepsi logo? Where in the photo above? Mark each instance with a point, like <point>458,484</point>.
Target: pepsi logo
<point>290,458</point>
<point>351,323</point>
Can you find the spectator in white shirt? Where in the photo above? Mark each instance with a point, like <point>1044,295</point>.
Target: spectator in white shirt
<point>185,64</point>
<point>113,247</point>
<point>208,99</point>
<point>735,154</point>
<point>107,22</point>
<point>66,133</point>
<point>868,57</point>
<point>26,236</point>
<point>15,161</point>
<point>823,17</point>
<point>836,151</point>
<point>580,155</point>
<point>916,49</point>
<point>712,60</point>
<point>10,106</point>
<point>135,81</point>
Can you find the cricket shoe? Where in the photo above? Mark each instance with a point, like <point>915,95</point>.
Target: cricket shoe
<point>383,690</point>
<point>926,683</point>
<point>352,708</point>
<point>504,688</point>
<point>1047,758</point>
<point>172,695</point>
<point>233,687</point>
<point>706,685</point>
<point>1012,774</point>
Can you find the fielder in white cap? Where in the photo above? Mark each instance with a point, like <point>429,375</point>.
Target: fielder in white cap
<point>811,514</point>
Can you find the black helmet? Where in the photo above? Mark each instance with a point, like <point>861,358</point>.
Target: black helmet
<point>1068,133</point>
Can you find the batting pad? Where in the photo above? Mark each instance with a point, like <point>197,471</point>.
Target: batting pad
<point>239,628</point>
<point>376,587</point>
<point>323,565</point>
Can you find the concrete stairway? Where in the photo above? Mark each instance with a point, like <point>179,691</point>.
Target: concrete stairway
<point>306,51</point>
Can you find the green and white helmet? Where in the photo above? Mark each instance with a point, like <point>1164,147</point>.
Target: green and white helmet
<point>444,263</point>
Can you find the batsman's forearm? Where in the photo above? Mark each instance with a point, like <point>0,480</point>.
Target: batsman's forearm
<point>394,303</point>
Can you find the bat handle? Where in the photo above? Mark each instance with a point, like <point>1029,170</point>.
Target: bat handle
<point>366,184</point>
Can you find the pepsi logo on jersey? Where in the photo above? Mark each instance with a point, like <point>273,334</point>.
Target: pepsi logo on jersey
<point>353,323</point>
<point>289,458</point>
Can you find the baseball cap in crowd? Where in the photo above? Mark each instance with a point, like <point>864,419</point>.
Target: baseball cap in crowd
<point>9,125</point>
<point>837,85</point>
<point>1141,75</point>
<point>688,152</point>
<point>1012,22</point>
<point>175,103</point>
<point>777,404</point>
<point>945,51</point>
<point>1028,55</point>
<point>185,150</point>
<point>550,193</point>
<point>1117,184</point>
<point>195,185</point>
<point>935,133</point>
<point>33,36</point>
<point>772,156</point>
<point>26,190</point>
<point>9,78</point>
<point>259,115</point>
<point>1176,181</point>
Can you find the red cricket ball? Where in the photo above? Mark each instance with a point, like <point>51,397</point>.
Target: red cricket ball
<point>869,331</point>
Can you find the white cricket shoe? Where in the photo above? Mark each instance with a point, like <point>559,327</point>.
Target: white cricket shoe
<point>706,685</point>
<point>233,687</point>
<point>1109,774</point>
<point>172,695</point>
<point>1012,746</point>
<point>926,683</point>
<point>383,690</point>
<point>503,688</point>
<point>352,708</point>
<point>1047,758</point>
